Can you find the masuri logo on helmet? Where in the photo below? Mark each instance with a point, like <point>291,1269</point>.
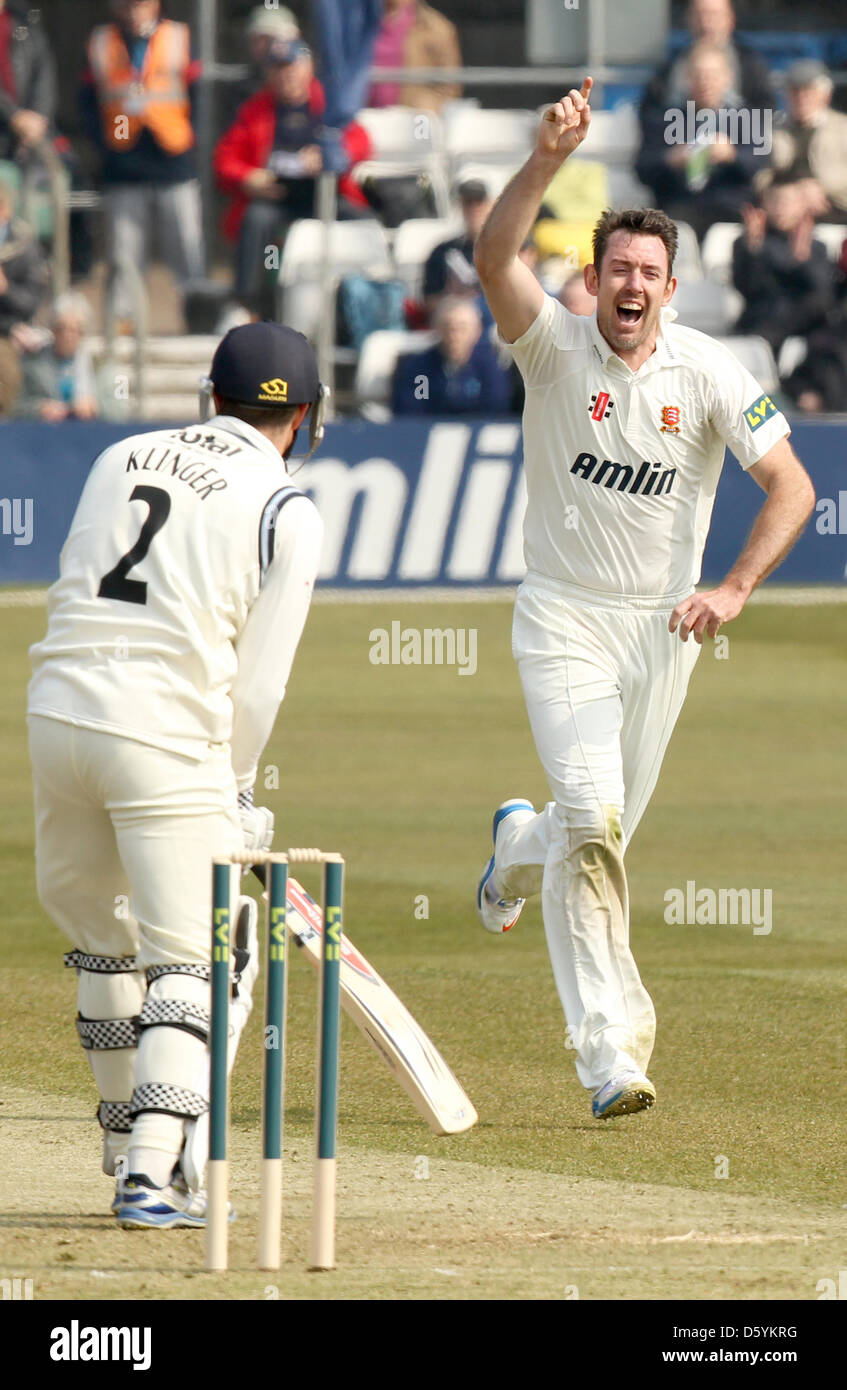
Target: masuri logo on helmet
<point>274,391</point>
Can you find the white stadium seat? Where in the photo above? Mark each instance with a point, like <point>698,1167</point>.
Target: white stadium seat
<point>833,237</point>
<point>793,351</point>
<point>707,305</point>
<point>494,176</point>
<point>615,135</point>
<point>357,245</point>
<point>716,251</point>
<point>399,133</point>
<point>687,265</point>
<point>415,240</point>
<point>375,368</point>
<point>755,354</point>
<point>627,191</point>
<point>490,137</point>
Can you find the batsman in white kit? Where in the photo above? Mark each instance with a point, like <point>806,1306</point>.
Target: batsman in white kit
<point>626,420</point>
<point>185,582</point>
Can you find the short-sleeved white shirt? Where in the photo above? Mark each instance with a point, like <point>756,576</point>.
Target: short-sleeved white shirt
<point>622,466</point>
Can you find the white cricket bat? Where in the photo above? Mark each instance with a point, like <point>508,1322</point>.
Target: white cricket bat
<point>387,1024</point>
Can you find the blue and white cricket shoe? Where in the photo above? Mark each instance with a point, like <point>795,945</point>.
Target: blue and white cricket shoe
<point>139,1205</point>
<point>495,913</point>
<point>626,1093</point>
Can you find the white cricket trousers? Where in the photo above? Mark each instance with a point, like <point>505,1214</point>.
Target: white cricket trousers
<point>125,835</point>
<point>604,682</point>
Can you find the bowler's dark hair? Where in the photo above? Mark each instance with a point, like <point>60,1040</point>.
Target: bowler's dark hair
<point>261,417</point>
<point>639,221</point>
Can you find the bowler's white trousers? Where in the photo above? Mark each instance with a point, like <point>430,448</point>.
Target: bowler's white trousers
<point>604,682</point>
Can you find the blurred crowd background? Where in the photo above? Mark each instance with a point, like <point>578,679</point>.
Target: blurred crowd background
<point>171,168</point>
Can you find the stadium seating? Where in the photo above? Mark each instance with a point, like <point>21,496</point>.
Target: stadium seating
<point>163,386</point>
<point>707,305</point>
<point>494,176</point>
<point>399,133</point>
<point>489,137</point>
<point>687,265</point>
<point>721,237</point>
<point>375,369</point>
<point>405,142</point>
<point>413,242</point>
<point>615,136</point>
<point>756,355</point>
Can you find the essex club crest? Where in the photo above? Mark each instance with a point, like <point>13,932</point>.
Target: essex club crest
<point>670,419</point>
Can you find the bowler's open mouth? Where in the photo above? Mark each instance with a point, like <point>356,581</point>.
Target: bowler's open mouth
<point>629,311</point>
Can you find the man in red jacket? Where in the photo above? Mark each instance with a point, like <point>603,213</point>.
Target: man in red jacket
<point>269,160</point>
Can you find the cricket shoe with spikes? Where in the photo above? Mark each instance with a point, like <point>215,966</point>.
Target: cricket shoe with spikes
<point>500,914</point>
<point>626,1093</point>
<point>139,1204</point>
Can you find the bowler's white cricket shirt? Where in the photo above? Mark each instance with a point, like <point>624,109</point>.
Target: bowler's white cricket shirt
<point>622,466</point>
<point>184,586</point>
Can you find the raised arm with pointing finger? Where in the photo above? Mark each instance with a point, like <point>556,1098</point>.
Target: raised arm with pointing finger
<point>511,289</point>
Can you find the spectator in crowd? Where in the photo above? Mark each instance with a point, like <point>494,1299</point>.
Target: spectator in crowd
<point>23,270</point>
<point>269,160</point>
<point>263,28</point>
<point>449,269</point>
<point>812,142</point>
<point>138,105</point>
<point>58,382</point>
<point>414,35</point>
<point>27,79</point>
<point>785,275</point>
<point>819,382</point>
<point>23,276</point>
<point>709,178</point>
<point>459,375</point>
<point>575,296</point>
<point>749,77</point>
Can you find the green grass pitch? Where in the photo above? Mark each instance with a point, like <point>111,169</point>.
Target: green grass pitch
<point>734,1186</point>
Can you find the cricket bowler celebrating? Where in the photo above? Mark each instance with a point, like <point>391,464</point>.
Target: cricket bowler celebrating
<point>185,582</point>
<point>625,423</point>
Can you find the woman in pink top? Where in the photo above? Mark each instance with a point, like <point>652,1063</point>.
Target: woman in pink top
<point>414,35</point>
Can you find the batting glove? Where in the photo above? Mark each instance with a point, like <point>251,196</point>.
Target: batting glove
<point>257,824</point>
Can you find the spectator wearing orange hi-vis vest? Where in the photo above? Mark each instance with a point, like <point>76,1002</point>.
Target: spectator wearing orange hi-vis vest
<point>137,98</point>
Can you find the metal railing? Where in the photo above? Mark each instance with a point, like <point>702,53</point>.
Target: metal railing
<point>122,269</point>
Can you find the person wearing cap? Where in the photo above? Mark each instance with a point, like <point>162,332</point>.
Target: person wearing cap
<point>138,107</point>
<point>269,160</point>
<point>264,27</point>
<point>184,586</point>
<point>449,268</point>
<point>812,143</point>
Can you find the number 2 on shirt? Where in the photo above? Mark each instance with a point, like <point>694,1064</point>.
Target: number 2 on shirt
<point>115,584</point>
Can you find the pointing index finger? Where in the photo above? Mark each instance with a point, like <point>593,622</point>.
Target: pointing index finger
<point>586,87</point>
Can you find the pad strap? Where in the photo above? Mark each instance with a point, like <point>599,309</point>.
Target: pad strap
<point>200,972</point>
<point>101,965</point>
<point>115,1115</point>
<point>163,1099</point>
<point>106,1034</point>
<point>175,1013</point>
